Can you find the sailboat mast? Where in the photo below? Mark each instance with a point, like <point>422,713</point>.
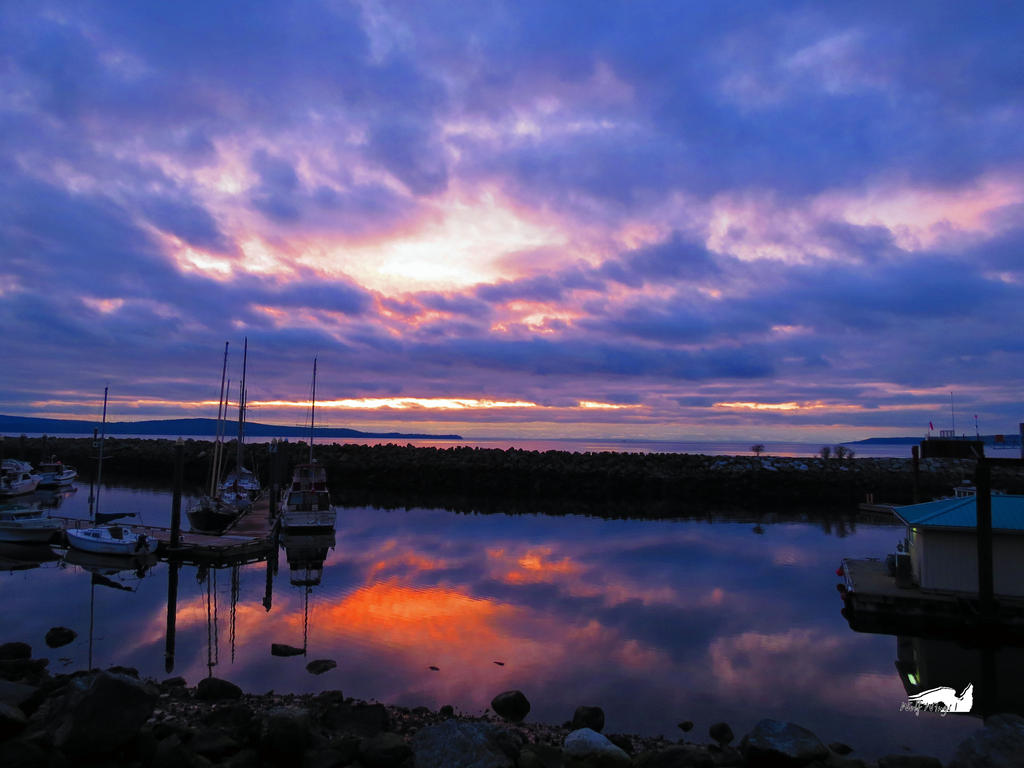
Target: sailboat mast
<point>99,461</point>
<point>241,413</point>
<point>312,414</point>
<point>217,439</point>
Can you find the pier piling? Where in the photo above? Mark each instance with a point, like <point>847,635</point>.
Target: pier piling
<point>179,464</point>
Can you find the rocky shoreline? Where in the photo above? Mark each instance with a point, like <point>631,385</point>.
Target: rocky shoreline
<point>112,718</point>
<point>606,484</point>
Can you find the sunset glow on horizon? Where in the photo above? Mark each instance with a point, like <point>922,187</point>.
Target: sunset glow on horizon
<point>471,222</point>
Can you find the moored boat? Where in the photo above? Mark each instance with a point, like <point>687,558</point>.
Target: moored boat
<point>111,540</point>
<point>306,503</point>
<point>26,524</point>
<point>54,473</point>
<point>17,478</point>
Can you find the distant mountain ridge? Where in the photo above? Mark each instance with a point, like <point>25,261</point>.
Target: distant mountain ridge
<point>1009,439</point>
<point>175,427</point>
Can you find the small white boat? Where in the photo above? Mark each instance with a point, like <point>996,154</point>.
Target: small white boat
<point>17,482</point>
<point>54,473</point>
<point>111,540</point>
<point>26,524</point>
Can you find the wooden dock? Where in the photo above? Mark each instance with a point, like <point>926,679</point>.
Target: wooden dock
<point>252,539</point>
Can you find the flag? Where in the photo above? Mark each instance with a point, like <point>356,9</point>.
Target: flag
<point>930,426</point>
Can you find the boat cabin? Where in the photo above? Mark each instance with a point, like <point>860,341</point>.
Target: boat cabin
<point>943,544</point>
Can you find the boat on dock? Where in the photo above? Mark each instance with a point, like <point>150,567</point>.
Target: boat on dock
<point>306,502</point>
<point>55,474</point>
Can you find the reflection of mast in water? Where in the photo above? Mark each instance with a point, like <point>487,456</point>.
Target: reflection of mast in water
<point>234,607</point>
<point>306,555</point>
<point>212,648</point>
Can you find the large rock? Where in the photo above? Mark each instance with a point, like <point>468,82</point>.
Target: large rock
<point>213,744</point>
<point>286,734</point>
<point>593,750</point>
<point>1000,744</point>
<point>676,756</point>
<point>385,750</point>
<point>511,705</point>
<point>16,694</point>
<point>59,636</point>
<point>15,651</point>
<point>12,721</point>
<point>913,761</point>
<point>454,743</point>
<point>588,717</point>
<point>215,689</point>
<point>776,742</point>
<point>105,716</point>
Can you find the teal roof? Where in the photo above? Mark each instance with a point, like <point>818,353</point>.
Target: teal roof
<point>1007,513</point>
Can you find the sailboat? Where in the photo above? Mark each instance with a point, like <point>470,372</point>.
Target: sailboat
<point>306,503</point>
<point>214,512</point>
<point>241,486</point>
<point>109,539</point>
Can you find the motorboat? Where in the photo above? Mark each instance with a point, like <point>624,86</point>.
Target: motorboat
<point>27,524</point>
<point>54,473</point>
<point>17,478</point>
<point>306,503</point>
<point>111,540</point>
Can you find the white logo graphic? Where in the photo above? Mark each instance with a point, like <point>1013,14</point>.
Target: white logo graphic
<point>942,700</point>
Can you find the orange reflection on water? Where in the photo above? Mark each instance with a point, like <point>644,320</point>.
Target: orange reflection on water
<point>532,566</point>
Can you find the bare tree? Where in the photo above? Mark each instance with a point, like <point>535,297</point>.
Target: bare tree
<point>757,448</point>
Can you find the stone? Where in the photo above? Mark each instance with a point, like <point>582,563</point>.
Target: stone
<point>174,682</point>
<point>16,694</point>
<point>19,753</point>
<point>540,756</point>
<point>105,716</point>
<point>33,670</point>
<point>15,651</point>
<point>721,732</point>
<point>594,750</point>
<point>588,717</point>
<point>676,756</point>
<point>281,649</point>
<point>357,719</point>
<point>777,742</point>
<point>839,748</point>
<point>911,761</point>
<point>446,711</point>
<point>326,758</point>
<point>686,726</point>
<point>319,666</point>
<point>511,705</point>
<point>457,743</point>
<point>623,742</point>
<point>60,636</point>
<point>12,721</point>
<point>999,744</point>
<point>215,689</point>
<point>213,744</point>
<point>286,734</point>
<point>171,753</point>
<point>385,750</point>
<point>235,718</point>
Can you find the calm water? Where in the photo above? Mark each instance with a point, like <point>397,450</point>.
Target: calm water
<point>655,621</point>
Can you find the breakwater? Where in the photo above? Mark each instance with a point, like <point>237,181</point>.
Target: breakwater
<point>480,479</point>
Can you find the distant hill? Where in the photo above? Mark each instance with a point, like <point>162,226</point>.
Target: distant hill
<point>1010,439</point>
<point>175,427</point>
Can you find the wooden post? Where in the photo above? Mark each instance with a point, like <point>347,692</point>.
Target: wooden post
<point>915,463</point>
<point>172,615</point>
<point>983,498</point>
<point>179,465</point>
<point>1022,441</point>
<point>273,479</point>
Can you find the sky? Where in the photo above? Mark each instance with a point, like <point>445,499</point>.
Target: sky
<point>650,220</point>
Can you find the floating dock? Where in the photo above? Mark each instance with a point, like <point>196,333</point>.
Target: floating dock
<point>251,539</point>
<point>874,603</point>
